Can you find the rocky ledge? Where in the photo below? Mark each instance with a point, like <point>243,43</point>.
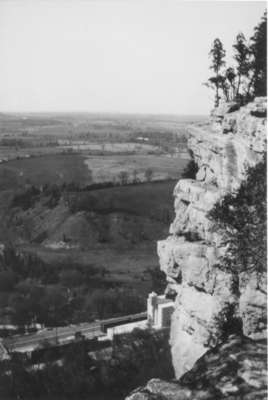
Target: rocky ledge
<point>234,370</point>
<point>211,302</point>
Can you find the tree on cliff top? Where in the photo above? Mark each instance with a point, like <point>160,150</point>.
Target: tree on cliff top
<point>259,51</point>
<point>243,217</point>
<point>242,58</point>
<point>217,54</point>
<point>248,77</point>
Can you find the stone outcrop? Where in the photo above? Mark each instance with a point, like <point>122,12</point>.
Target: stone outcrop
<point>208,297</point>
<point>212,302</point>
<point>234,370</point>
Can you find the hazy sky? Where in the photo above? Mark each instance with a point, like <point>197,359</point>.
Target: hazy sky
<point>114,55</point>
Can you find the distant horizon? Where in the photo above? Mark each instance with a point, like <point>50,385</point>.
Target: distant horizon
<point>103,113</point>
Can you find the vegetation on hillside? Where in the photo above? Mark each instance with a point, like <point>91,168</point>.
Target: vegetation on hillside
<point>133,359</point>
<point>140,199</point>
<point>94,285</point>
<point>243,217</point>
<point>88,197</point>
<point>248,78</point>
<point>32,291</point>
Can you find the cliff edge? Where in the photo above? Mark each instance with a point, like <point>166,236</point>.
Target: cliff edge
<point>212,302</point>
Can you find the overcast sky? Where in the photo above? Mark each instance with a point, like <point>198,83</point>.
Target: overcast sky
<point>114,55</point>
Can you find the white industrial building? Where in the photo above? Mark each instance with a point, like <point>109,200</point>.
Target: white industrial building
<point>159,311</point>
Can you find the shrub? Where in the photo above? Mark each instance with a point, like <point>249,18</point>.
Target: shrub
<point>243,217</point>
<point>158,278</point>
<point>191,168</point>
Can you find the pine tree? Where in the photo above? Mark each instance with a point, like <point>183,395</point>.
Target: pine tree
<point>217,53</point>
<point>249,78</point>
<point>230,76</point>
<point>259,51</point>
<point>242,57</point>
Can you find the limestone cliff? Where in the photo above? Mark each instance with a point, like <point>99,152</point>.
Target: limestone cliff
<point>209,299</point>
<point>191,256</point>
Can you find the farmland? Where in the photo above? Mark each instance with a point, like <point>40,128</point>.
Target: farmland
<point>83,200</point>
<point>44,169</point>
<point>83,170</point>
<point>109,168</point>
<point>24,135</point>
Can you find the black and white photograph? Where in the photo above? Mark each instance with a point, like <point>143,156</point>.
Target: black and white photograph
<point>133,193</point>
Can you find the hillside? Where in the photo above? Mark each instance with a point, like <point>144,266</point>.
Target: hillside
<point>85,248</point>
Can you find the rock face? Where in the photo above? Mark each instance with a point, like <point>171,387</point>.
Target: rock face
<point>207,297</point>
<point>211,303</point>
<point>234,370</point>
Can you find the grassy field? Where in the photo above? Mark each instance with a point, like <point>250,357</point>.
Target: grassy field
<point>45,169</point>
<point>108,168</point>
<point>125,147</point>
<point>60,168</point>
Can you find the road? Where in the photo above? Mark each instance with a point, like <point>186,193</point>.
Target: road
<point>65,334</point>
<point>53,335</point>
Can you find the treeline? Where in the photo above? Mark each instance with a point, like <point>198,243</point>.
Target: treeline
<point>27,198</point>
<point>26,143</point>
<point>133,359</point>
<point>56,306</point>
<point>35,292</point>
<point>28,266</point>
<point>247,79</point>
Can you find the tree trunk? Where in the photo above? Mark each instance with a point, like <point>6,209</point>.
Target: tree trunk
<point>217,95</point>
<point>238,85</point>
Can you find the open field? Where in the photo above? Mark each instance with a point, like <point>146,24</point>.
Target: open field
<point>10,152</point>
<point>45,169</point>
<point>112,147</point>
<point>82,170</point>
<point>109,168</point>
